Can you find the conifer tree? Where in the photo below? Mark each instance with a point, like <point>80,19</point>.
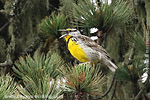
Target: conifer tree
<point>35,63</point>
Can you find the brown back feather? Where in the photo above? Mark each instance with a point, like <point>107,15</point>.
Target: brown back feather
<point>92,44</point>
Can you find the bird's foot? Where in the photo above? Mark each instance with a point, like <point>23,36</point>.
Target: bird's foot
<point>87,64</point>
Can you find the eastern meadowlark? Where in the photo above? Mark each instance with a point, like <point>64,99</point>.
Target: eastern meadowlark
<point>85,49</point>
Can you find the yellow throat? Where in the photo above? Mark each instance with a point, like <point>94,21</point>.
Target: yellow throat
<point>76,50</point>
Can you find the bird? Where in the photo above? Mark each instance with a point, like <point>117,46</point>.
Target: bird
<point>84,49</point>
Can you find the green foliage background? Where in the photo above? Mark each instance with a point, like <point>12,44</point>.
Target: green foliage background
<point>36,64</point>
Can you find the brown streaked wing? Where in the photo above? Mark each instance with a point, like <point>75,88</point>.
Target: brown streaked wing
<point>92,44</point>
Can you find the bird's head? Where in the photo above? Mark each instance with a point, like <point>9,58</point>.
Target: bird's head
<point>69,33</point>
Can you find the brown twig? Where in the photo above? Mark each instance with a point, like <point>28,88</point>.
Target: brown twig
<point>111,85</point>
<point>5,63</point>
<point>78,96</point>
<point>99,35</point>
<point>3,26</point>
<point>113,93</point>
<point>137,97</point>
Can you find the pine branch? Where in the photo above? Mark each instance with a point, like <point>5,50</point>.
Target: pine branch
<point>6,63</point>
<point>7,87</point>
<point>131,55</point>
<point>11,47</point>
<point>111,85</point>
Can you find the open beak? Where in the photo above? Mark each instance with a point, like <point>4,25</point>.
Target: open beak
<point>63,36</point>
<point>64,30</point>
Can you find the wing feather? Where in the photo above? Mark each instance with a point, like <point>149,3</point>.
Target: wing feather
<point>92,44</point>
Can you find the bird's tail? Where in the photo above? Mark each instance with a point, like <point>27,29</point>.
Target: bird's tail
<point>109,64</point>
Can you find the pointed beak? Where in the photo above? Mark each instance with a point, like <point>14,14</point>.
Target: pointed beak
<point>63,36</point>
<point>63,30</point>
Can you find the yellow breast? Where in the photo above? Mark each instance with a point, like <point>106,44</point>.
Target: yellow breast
<point>77,51</point>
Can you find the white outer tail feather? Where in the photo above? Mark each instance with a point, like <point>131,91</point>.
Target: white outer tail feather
<point>109,64</point>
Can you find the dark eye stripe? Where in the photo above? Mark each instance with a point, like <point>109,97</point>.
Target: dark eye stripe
<point>73,30</point>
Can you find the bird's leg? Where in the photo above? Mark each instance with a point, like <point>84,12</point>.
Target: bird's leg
<point>91,64</point>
